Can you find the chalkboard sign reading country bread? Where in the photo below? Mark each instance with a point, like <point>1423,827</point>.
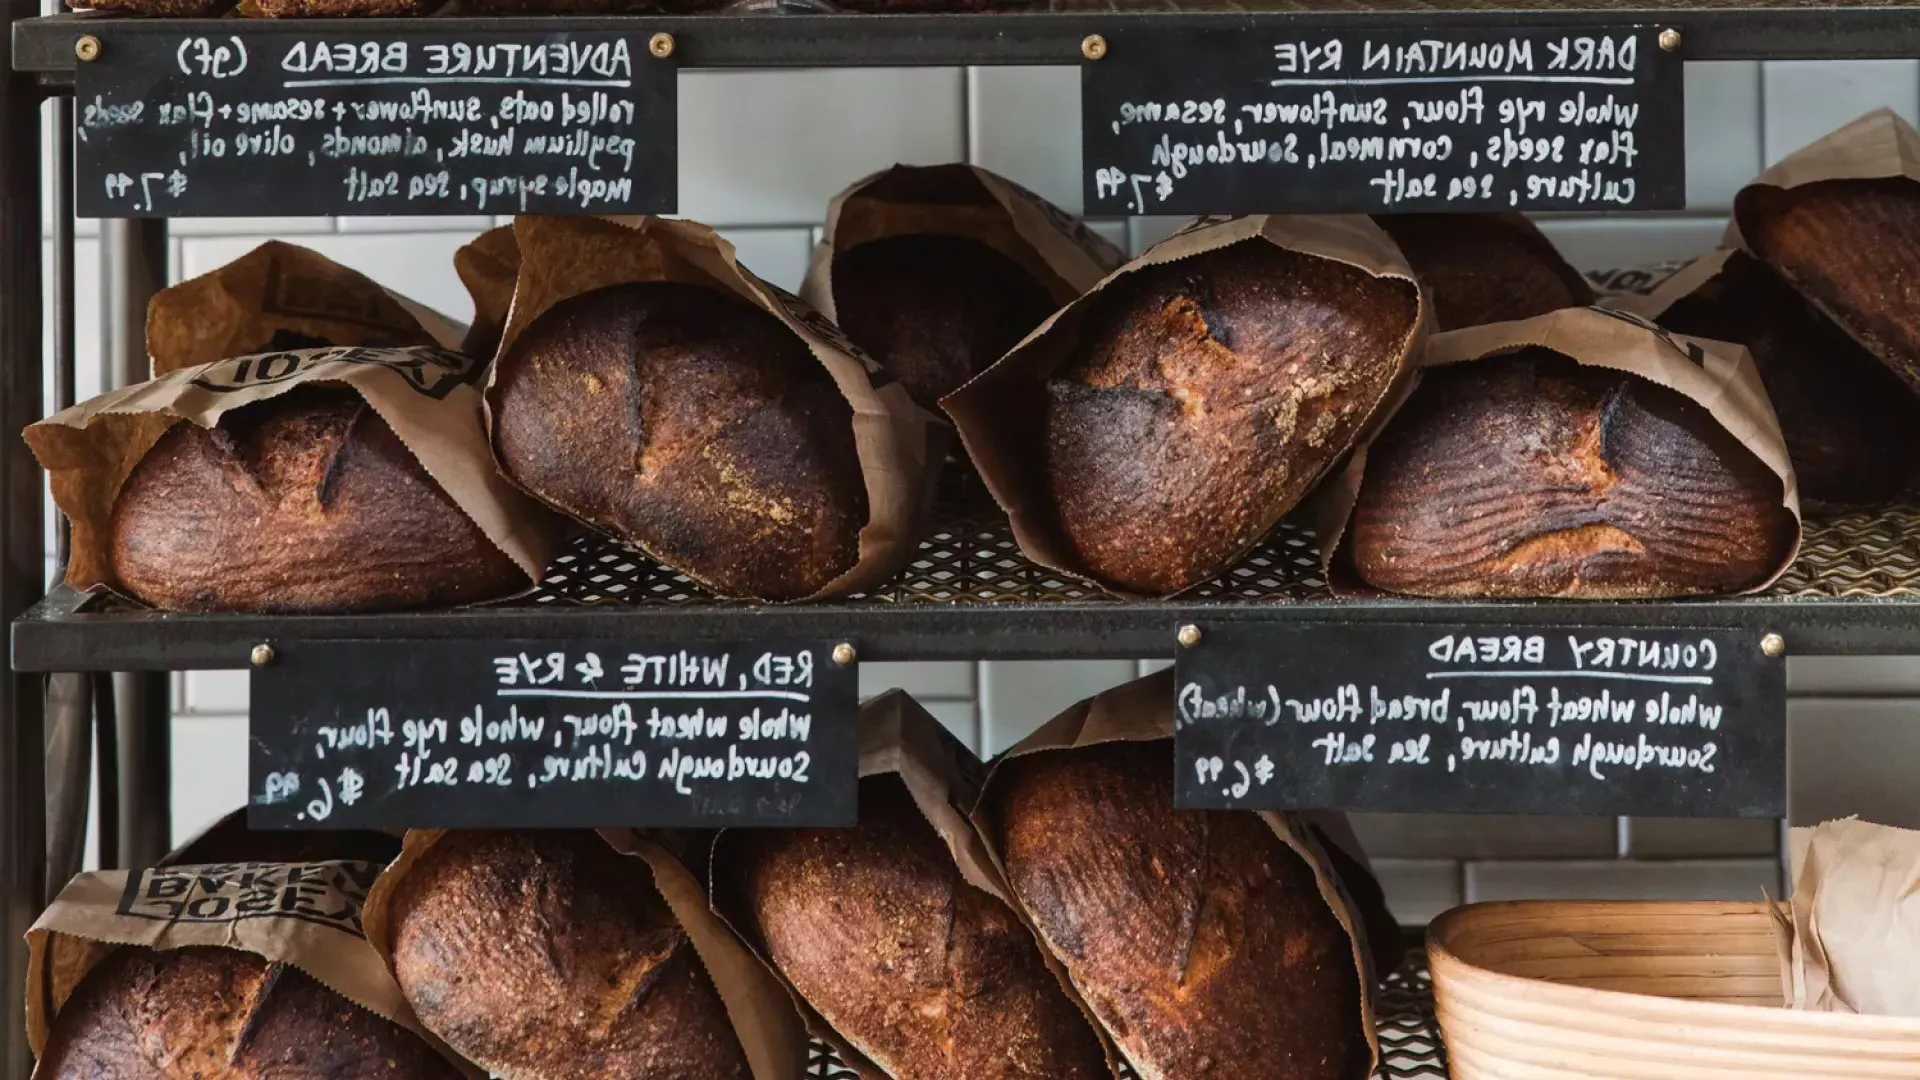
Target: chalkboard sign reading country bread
<point>1244,121</point>
<point>276,122</point>
<point>473,734</point>
<point>1543,719</point>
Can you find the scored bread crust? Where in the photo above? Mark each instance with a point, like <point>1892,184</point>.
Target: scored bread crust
<point>691,425</point>
<point>1206,397</point>
<point>1200,941</point>
<point>1485,268</point>
<point>927,976</point>
<point>1528,475</point>
<point>306,502</point>
<point>221,1014</point>
<point>548,955</point>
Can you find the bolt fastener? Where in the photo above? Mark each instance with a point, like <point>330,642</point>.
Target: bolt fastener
<point>660,45</point>
<point>1093,47</point>
<point>843,654</point>
<point>262,655</point>
<point>1773,645</point>
<point>1669,40</point>
<point>87,47</point>
<point>1189,635</point>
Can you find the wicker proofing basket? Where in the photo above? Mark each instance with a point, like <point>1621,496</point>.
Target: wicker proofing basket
<point>1559,990</point>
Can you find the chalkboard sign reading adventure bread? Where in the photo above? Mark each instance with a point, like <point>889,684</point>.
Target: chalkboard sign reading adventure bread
<point>1546,719</point>
<point>1313,121</point>
<point>476,734</point>
<point>273,122</point>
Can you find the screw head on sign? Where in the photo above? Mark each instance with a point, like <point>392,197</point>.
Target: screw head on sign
<point>1669,40</point>
<point>843,654</point>
<point>1189,635</point>
<point>262,655</point>
<point>660,45</point>
<point>1773,645</point>
<point>1093,47</point>
<point>87,47</point>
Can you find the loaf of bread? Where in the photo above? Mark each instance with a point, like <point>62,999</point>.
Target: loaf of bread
<point>335,9</point>
<point>219,1014</point>
<point>691,425</point>
<point>1528,475</point>
<point>544,955</point>
<point>306,502</point>
<point>935,310</point>
<point>1485,268</point>
<point>929,977</point>
<point>1847,245</point>
<point>1205,397</point>
<point>1852,427</point>
<point>1200,940</point>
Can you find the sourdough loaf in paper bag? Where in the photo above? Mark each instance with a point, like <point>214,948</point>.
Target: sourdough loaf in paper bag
<point>235,971</point>
<point>1583,453</point>
<point>937,270</point>
<point>1839,219</point>
<point>1206,943</point>
<point>1153,430</point>
<point>315,480</point>
<point>896,937</point>
<point>279,297</point>
<point>1851,426</point>
<point>651,387</point>
<point>1851,933</point>
<point>1483,268</point>
<point>575,955</point>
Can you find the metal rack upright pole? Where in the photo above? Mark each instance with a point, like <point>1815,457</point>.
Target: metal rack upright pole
<point>22,545</point>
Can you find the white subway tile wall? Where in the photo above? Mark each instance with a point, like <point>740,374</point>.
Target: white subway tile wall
<point>760,155</point>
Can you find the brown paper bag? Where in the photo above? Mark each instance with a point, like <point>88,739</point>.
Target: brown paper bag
<point>307,915</point>
<point>1612,287</point>
<point>488,267</point>
<point>1850,937</point>
<point>424,394</point>
<point>900,445</point>
<point>1879,145</point>
<point>280,297</point>
<point>1054,246</point>
<point>761,1014</point>
<point>1142,711</point>
<point>1718,376</point>
<point>999,414</point>
<point>899,738</point>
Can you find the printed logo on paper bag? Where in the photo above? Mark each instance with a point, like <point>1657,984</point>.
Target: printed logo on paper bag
<point>432,372</point>
<point>327,893</point>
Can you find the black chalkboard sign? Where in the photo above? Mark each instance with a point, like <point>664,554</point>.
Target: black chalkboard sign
<point>1544,719</point>
<point>475,734</point>
<point>276,122</point>
<point>1315,121</point>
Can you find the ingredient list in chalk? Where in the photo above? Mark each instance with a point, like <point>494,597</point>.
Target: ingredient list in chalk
<point>253,121</point>
<point>1556,720</point>
<point>1224,122</point>
<point>471,734</point>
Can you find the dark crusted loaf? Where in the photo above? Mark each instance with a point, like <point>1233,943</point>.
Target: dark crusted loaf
<point>1528,475</point>
<point>307,502</point>
<point>1199,940</point>
<point>689,424</point>
<point>548,955</point>
<point>1852,427</point>
<point>1207,395</point>
<point>935,310</point>
<point>926,975</point>
<point>1847,245</point>
<point>221,1014</point>
<point>1485,268</point>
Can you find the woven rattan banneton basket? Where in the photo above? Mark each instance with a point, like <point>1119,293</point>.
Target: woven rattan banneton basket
<point>1603,990</point>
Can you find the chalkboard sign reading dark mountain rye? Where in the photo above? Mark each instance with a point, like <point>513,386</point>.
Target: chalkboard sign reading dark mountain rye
<point>1315,121</point>
<point>276,122</point>
<point>1519,719</point>
<point>487,734</point>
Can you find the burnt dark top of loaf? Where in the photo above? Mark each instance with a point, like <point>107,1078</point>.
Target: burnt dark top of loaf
<point>1852,427</point>
<point>306,502</point>
<point>1205,398</point>
<point>221,1014</point>
<point>692,424</point>
<point>935,310</point>
<point>547,954</point>
<point>1485,268</point>
<point>1530,475</point>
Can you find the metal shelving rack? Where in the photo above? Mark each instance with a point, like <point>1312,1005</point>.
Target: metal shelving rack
<point>968,595</point>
